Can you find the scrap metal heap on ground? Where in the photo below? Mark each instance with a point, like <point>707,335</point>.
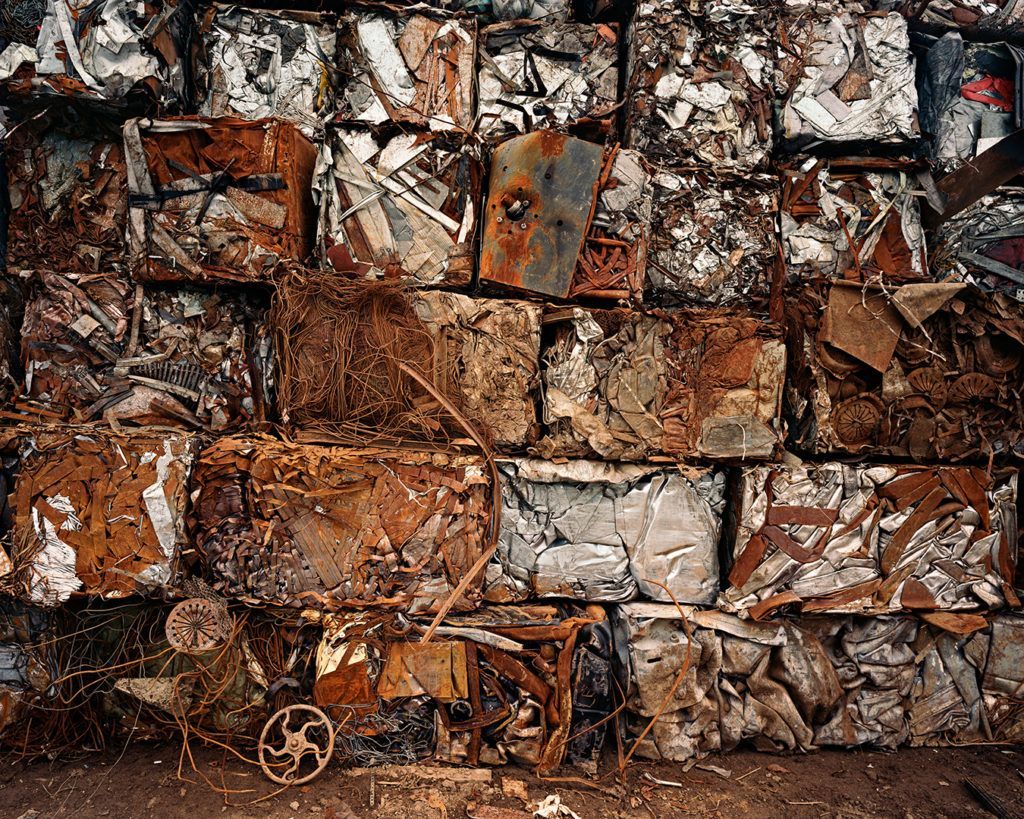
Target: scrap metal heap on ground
<point>510,381</point>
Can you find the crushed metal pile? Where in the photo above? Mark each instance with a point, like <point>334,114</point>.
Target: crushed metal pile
<point>510,382</point>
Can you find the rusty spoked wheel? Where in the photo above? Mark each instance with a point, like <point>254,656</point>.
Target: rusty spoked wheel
<point>197,624</point>
<point>296,745</point>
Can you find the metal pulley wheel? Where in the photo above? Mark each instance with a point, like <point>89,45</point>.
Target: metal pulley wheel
<point>296,745</point>
<point>197,624</point>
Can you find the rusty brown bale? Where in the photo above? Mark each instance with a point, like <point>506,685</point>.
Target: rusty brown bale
<point>626,385</point>
<point>930,371</point>
<point>96,513</point>
<point>217,199</point>
<point>69,202</point>
<point>120,55</point>
<point>868,539</point>
<point>326,527</point>
<point>98,348</point>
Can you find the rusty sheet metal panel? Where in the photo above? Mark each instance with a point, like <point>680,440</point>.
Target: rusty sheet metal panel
<point>255,64</point>
<point>527,684</point>
<point>712,240</point>
<point>623,385</point>
<point>848,77</point>
<point>982,244</point>
<point>96,513</point>
<point>699,83</point>
<point>97,348</point>
<point>854,219</point>
<point>536,74</point>
<point>69,201</point>
<point>217,199</point>
<point>404,207</point>
<point>538,211</point>
<point>925,370</point>
<point>413,67</point>
<point>873,539</point>
<point>112,54</point>
<point>327,527</point>
<point>597,531</point>
<point>488,357</point>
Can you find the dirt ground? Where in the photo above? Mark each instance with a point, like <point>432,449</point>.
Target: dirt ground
<point>143,782</point>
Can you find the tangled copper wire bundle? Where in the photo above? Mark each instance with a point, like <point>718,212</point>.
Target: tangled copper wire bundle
<point>344,349</point>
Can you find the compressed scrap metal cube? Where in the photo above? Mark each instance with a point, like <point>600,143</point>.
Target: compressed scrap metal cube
<point>256,64</point>
<point>97,513</point>
<point>95,348</point>
<point>217,199</point>
<point>28,665</point>
<point>625,385</point>
<point>551,11</point>
<point>401,207</point>
<point>537,75</point>
<point>69,202</point>
<point>566,218</point>
<point>607,532</point>
<point>873,539</point>
<point>113,53</point>
<point>11,304</point>
<point>488,357</point>
<point>852,219</point>
<point>931,371</point>
<point>769,683</point>
<point>983,245</point>
<point>415,68</point>
<point>846,77</point>
<point>712,240</point>
<point>527,684</point>
<point>984,19</point>
<point>315,526</point>
<point>700,86</point>
<point>970,98</point>
<point>791,685</point>
<point>374,361</point>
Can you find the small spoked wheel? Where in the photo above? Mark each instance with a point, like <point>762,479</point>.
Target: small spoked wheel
<point>197,624</point>
<point>296,745</point>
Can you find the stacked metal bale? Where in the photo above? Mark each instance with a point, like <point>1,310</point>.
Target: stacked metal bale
<point>474,381</point>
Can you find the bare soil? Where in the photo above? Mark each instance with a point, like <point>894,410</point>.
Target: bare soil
<point>143,781</point>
